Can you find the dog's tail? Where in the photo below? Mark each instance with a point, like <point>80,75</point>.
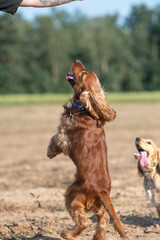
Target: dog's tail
<point>105,198</point>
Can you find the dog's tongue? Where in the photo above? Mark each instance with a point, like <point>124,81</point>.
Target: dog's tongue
<point>143,158</point>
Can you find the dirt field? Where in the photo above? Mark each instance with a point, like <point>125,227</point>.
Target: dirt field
<point>32,186</point>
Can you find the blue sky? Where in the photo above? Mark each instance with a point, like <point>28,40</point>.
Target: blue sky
<point>91,8</point>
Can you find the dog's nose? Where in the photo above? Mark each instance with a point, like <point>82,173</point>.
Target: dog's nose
<point>138,139</point>
<point>76,61</point>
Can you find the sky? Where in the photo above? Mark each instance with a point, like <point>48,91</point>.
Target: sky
<point>91,8</point>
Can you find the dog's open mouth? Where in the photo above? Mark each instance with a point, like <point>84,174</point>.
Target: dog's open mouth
<point>71,79</point>
<point>142,155</point>
<point>140,149</point>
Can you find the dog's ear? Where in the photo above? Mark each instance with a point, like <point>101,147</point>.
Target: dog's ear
<point>85,99</point>
<point>158,158</point>
<point>96,104</point>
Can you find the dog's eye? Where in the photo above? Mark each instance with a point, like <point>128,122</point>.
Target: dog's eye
<point>149,142</point>
<point>83,74</point>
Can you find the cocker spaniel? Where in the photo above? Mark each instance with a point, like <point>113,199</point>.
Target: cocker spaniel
<point>81,137</point>
<point>149,167</point>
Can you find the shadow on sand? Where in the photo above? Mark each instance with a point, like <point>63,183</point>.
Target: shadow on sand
<point>141,221</point>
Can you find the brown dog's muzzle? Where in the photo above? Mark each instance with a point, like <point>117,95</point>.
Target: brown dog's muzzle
<point>71,79</point>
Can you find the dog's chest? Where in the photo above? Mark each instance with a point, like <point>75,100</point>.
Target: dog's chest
<point>152,193</point>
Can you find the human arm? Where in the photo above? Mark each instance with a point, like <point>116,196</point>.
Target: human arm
<point>44,3</point>
<point>11,6</point>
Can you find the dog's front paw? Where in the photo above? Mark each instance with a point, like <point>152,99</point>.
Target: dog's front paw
<point>53,150</point>
<point>51,155</point>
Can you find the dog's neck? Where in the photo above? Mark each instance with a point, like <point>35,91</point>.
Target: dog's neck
<point>76,108</point>
<point>79,106</point>
<point>150,173</point>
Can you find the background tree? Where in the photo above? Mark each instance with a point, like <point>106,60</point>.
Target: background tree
<point>35,56</point>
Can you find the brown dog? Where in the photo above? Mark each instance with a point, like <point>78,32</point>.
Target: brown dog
<point>149,167</point>
<point>81,136</point>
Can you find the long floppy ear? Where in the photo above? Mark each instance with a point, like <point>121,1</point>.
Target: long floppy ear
<point>158,158</point>
<point>95,103</point>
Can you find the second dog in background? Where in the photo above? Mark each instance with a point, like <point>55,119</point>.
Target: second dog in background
<point>149,167</point>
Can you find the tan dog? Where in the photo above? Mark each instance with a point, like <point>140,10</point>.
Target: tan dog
<point>149,166</point>
<point>81,137</point>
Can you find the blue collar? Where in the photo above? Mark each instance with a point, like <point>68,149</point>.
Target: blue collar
<point>76,105</point>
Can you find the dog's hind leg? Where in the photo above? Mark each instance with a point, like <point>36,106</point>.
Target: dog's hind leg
<point>103,221</point>
<point>77,211</point>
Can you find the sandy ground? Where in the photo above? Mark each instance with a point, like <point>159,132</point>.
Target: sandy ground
<point>32,186</point>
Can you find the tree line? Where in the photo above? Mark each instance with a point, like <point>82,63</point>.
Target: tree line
<point>35,56</point>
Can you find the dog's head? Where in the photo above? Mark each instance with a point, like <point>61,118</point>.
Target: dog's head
<point>87,89</point>
<point>148,155</point>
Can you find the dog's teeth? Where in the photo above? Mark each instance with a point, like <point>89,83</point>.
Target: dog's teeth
<point>137,155</point>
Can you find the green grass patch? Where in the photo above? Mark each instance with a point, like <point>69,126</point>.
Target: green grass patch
<point>44,99</point>
<point>33,99</point>
<point>134,97</point>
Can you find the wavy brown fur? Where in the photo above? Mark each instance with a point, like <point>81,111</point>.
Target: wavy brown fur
<point>85,143</point>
